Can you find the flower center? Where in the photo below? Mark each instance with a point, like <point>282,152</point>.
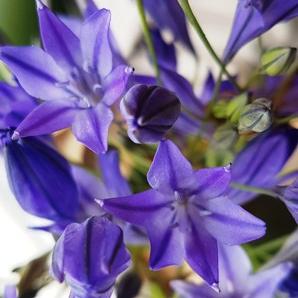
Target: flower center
<point>84,86</point>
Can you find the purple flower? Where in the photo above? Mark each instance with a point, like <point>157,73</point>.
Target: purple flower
<point>150,111</point>
<point>255,17</point>
<point>260,162</point>
<point>168,14</point>
<point>40,178</point>
<point>89,257</point>
<point>74,76</point>
<point>236,279</point>
<point>186,213</point>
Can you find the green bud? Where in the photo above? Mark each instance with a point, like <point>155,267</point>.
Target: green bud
<point>278,60</point>
<point>235,107</point>
<point>256,116</point>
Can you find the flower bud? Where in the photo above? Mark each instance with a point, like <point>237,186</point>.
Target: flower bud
<point>150,111</point>
<point>278,60</point>
<point>256,116</point>
<point>89,257</point>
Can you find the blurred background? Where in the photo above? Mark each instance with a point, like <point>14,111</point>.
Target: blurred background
<point>18,25</point>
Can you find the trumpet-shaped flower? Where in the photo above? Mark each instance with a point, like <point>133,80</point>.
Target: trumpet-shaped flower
<point>255,17</point>
<point>186,213</point>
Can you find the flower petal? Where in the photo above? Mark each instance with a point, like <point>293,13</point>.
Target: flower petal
<point>169,15</point>
<point>36,71</point>
<point>41,180</point>
<point>47,118</point>
<point>57,39</point>
<point>95,43</point>
<point>202,252</point>
<point>91,127</point>
<point>183,89</point>
<point>91,255</point>
<point>234,268</point>
<point>213,182</point>
<point>115,183</point>
<point>258,165</point>
<point>229,223</point>
<point>115,84</point>
<point>141,209</point>
<point>264,284</point>
<point>170,170</point>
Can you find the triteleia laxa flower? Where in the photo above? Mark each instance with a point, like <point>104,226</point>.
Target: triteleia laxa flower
<point>150,111</point>
<point>40,178</point>
<point>89,257</point>
<point>255,17</point>
<point>236,279</point>
<point>74,76</point>
<point>186,213</point>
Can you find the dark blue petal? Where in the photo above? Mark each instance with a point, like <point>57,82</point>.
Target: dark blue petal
<point>168,15</point>
<point>41,180</point>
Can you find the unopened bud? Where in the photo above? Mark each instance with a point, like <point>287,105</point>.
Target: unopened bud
<point>256,116</point>
<point>278,60</point>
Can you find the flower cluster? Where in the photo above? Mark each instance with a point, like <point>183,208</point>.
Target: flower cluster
<point>204,156</point>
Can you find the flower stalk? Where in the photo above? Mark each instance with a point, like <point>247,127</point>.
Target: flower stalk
<point>196,25</point>
<point>147,36</point>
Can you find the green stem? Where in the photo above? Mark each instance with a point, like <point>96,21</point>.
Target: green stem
<point>256,190</point>
<point>286,119</point>
<point>272,245</point>
<point>195,23</point>
<point>147,36</point>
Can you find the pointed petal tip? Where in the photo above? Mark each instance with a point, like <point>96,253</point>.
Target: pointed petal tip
<point>216,287</point>
<point>129,70</point>
<point>39,4</point>
<point>228,168</point>
<point>100,202</point>
<point>15,136</point>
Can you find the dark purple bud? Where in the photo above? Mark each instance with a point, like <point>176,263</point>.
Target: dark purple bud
<point>40,179</point>
<point>89,257</point>
<point>150,111</point>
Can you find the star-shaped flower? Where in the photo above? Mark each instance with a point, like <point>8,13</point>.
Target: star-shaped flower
<point>186,213</point>
<point>73,76</point>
